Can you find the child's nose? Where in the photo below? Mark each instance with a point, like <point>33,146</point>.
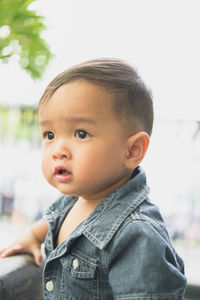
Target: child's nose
<point>59,155</point>
<point>61,152</point>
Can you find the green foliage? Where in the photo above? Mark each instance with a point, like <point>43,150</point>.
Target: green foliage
<point>20,30</point>
<point>197,132</point>
<point>20,123</point>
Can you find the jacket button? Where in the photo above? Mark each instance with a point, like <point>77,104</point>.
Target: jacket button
<point>49,286</point>
<point>75,263</point>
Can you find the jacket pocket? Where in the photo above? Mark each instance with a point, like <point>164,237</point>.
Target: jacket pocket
<point>79,276</point>
<point>81,265</point>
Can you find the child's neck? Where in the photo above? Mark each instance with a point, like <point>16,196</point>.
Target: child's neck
<point>77,214</point>
<point>98,197</point>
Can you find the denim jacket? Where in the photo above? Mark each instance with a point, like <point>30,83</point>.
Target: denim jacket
<point>121,251</point>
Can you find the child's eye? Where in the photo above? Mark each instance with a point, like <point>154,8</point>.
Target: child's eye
<point>49,135</point>
<point>81,134</point>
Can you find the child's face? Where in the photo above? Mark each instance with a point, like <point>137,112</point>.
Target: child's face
<point>84,146</point>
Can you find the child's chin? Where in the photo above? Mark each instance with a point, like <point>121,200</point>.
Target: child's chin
<point>66,191</point>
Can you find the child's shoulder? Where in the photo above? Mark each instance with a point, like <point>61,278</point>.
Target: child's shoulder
<point>144,222</point>
<point>144,237</point>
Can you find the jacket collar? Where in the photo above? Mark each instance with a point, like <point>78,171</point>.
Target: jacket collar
<point>105,220</point>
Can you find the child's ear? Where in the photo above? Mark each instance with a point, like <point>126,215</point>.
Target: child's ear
<point>137,145</point>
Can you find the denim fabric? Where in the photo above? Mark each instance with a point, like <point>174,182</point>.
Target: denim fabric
<point>121,251</point>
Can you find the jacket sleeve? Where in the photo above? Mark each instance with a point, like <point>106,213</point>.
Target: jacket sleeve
<point>143,266</point>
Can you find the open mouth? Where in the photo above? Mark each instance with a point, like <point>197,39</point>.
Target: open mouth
<point>61,171</point>
<point>62,174</point>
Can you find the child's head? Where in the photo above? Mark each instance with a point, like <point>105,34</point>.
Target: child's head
<point>95,120</point>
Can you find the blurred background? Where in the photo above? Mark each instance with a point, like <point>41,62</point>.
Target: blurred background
<point>39,39</point>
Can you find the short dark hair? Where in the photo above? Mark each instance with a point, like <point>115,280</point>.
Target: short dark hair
<point>131,98</point>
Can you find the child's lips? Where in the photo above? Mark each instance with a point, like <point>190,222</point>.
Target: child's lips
<point>62,174</point>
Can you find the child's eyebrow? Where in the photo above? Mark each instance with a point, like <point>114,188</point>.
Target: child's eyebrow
<point>80,119</point>
<point>71,120</point>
